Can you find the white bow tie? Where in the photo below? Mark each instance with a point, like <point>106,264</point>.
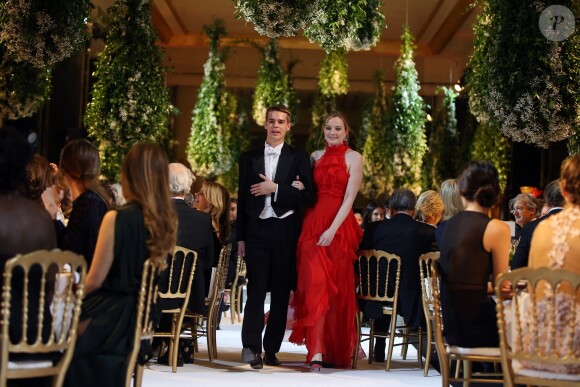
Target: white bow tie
<point>272,152</point>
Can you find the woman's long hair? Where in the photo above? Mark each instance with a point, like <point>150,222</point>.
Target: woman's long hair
<point>219,198</point>
<point>145,180</point>
<point>81,161</point>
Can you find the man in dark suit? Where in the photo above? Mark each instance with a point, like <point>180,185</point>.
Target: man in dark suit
<point>403,236</point>
<point>554,201</point>
<point>267,232</point>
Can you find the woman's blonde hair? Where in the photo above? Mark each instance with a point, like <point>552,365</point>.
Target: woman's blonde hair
<point>80,160</point>
<point>429,205</point>
<point>451,198</point>
<point>145,180</point>
<point>219,198</point>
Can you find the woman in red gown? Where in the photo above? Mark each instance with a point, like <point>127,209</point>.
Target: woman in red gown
<point>325,303</point>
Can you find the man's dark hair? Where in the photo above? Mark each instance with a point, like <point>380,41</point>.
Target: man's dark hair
<point>553,195</point>
<point>402,199</point>
<point>15,154</point>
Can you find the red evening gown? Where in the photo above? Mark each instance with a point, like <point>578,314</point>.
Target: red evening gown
<point>325,303</point>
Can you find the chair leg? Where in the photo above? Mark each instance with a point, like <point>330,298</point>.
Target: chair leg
<point>371,341</point>
<point>428,352</point>
<point>420,347</point>
<point>444,365</point>
<point>138,376</point>
<point>405,345</point>
<point>233,302</point>
<point>466,373</point>
<point>239,303</point>
<point>358,336</point>
<point>391,341</point>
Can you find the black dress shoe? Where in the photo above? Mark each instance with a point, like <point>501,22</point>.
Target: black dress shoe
<point>379,351</point>
<point>270,359</point>
<point>252,358</point>
<point>164,359</point>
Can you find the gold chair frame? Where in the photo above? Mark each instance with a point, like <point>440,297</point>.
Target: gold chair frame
<point>62,336</point>
<point>366,293</point>
<point>144,328</point>
<point>212,303</point>
<point>532,282</point>
<point>177,313</point>
<point>236,291</point>
<point>425,263</point>
<point>466,355</point>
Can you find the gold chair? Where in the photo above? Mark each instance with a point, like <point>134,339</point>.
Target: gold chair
<point>144,327</point>
<point>460,354</point>
<point>382,285</point>
<point>212,302</point>
<point>425,263</point>
<point>49,323</point>
<point>539,327</point>
<point>236,291</point>
<point>180,274</point>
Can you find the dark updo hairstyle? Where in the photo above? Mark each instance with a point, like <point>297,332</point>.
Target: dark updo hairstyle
<point>479,182</point>
<point>15,154</point>
<point>40,177</point>
<point>570,178</point>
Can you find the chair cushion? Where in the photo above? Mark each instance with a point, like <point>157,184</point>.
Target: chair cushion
<point>520,370</point>
<point>478,351</point>
<point>29,364</point>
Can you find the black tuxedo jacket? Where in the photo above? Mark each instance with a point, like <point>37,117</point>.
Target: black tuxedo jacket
<point>522,253</point>
<point>291,163</point>
<point>407,238</point>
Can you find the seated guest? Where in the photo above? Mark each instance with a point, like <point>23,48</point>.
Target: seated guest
<point>525,209</point>
<point>80,168</point>
<point>452,205</point>
<point>556,244</point>
<point>554,202</point>
<point>144,228</point>
<point>403,236</point>
<point>40,177</point>
<point>429,208</point>
<point>474,247</point>
<point>373,213</point>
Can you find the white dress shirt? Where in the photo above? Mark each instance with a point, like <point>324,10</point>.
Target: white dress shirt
<point>271,157</point>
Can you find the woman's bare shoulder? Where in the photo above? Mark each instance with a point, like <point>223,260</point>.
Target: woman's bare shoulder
<point>317,154</point>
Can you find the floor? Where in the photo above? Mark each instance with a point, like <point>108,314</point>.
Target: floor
<point>228,370</point>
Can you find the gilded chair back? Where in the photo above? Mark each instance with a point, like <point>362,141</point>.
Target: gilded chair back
<point>179,275</point>
<point>144,326</point>
<point>42,294</point>
<point>539,326</point>
<point>425,263</point>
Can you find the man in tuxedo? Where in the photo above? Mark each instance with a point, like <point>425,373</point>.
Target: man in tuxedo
<point>554,201</point>
<point>403,236</point>
<point>267,231</point>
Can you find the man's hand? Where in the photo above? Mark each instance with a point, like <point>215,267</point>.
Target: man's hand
<point>266,187</point>
<point>241,249</point>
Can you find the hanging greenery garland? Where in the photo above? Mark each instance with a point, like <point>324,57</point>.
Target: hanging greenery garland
<point>23,88</point>
<point>442,162</point>
<point>130,102</point>
<point>374,134</point>
<point>208,149</point>
<point>489,144</point>
<point>43,33</point>
<point>522,83</point>
<point>406,142</point>
<point>239,142</point>
<point>346,24</point>
<point>272,86</point>
<point>332,82</point>
<point>276,18</point>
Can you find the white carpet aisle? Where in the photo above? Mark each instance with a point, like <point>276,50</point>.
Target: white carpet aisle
<point>228,370</point>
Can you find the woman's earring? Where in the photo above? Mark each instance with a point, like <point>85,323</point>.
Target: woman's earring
<point>346,139</point>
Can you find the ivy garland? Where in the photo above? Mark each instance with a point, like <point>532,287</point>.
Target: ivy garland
<point>332,82</point>
<point>406,142</point>
<point>276,18</point>
<point>346,24</point>
<point>23,87</point>
<point>374,134</point>
<point>239,142</point>
<point>489,144</point>
<point>43,33</point>
<point>522,83</point>
<point>208,149</point>
<point>130,102</point>
<point>273,86</point>
<point>441,163</point>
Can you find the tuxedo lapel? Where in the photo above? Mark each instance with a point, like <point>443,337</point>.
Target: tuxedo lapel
<point>258,164</point>
<point>284,164</point>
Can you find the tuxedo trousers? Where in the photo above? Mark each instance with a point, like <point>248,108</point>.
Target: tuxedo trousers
<point>271,267</point>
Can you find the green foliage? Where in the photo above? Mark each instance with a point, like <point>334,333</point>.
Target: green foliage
<point>332,82</point>
<point>43,33</point>
<point>273,86</point>
<point>23,87</point>
<point>441,161</point>
<point>346,24</point>
<point>522,83</point>
<point>373,135</point>
<point>489,144</point>
<point>213,117</point>
<point>130,102</point>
